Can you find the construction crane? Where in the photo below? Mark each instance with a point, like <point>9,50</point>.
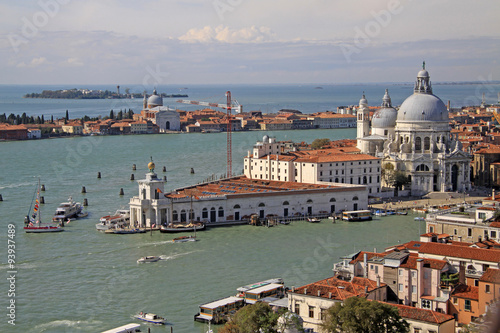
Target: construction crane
<point>230,105</point>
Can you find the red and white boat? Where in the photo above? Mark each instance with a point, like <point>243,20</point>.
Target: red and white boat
<point>34,220</point>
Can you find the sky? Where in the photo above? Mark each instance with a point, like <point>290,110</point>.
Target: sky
<point>153,42</point>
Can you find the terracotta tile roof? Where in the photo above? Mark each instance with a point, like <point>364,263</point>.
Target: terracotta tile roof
<point>411,263</point>
<point>460,252</point>
<point>242,185</point>
<point>369,255</point>
<point>466,291</point>
<point>409,312</point>
<point>339,288</point>
<point>7,127</point>
<point>495,224</point>
<point>491,275</point>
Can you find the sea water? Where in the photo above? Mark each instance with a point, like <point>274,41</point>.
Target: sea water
<point>82,280</point>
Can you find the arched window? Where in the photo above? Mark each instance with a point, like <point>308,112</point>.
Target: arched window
<point>262,204</point>
<point>355,198</point>
<point>204,213</point>
<point>285,203</point>
<point>309,201</point>
<point>236,207</point>
<point>175,216</point>
<point>418,144</point>
<point>336,180</point>
<point>364,180</point>
<point>183,215</point>
<point>427,143</point>
<point>333,200</point>
<point>221,212</point>
<point>422,167</point>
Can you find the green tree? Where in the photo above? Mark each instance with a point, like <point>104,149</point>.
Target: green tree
<point>320,143</point>
<point>67,115</point>
<point>359,315</point>
<point>258,317</point>
<point>111,115</point>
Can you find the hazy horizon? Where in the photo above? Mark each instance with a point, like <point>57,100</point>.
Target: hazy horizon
<point>241,42</point>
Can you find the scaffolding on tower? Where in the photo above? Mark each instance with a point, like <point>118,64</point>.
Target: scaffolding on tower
<point>229,106</point>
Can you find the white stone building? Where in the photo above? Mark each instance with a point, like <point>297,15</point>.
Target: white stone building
<point>237,198</point>
<point>416,139</point>
<point>163,117</point>
<point>271,160</point>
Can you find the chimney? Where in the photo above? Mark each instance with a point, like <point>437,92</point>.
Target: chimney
<point>366,289</point>
<point>461,274</point>
<point>330,295</point>
<point>305,291</point>
<point>365,256</point>
<point>293,289</point>
<point>319,293</point>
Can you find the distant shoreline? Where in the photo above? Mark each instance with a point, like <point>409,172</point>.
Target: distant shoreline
<point>91,94</point>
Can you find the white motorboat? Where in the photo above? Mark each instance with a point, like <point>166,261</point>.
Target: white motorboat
<point>67,210</point>
<point>151,318</point>
<point>118,220</point>
<point>148,259</point>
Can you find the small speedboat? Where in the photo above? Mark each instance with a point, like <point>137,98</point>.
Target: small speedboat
<point>313,220</point>
<point>419,218</point>
<point>151,318</point>
<point>284,222</point>
<point>148,259</point>
<point>183,239</point>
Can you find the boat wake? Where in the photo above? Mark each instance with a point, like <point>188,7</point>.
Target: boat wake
<point>175,256</point>
<point>15,185</point>
<point>73,325</point>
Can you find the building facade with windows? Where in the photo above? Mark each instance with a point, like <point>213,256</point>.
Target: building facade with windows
<point>416,140</point>
<point>271,160</point>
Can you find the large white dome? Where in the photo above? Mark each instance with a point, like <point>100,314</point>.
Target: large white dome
<point>155,100</point>
<point>422,107</point>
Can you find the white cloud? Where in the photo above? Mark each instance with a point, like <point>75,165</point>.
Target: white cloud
<point>73,62</point>
<point>226,35</point>
<point>35,62</point>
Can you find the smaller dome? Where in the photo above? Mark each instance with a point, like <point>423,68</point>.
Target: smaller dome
<point>423,73</point>
<point>363,101</point>
<point>384,118</point>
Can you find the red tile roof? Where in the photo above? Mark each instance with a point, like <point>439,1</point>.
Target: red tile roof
<point>339,288</point>
<point>466,291</point>
<point>460,252</point>
<point>409,312</point>
<point>491,275</point>
<point>411,262</point>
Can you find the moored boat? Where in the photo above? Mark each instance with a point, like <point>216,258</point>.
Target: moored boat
<point>119,219</point>
<point>151,318</point>
<point>67,210</point>
<point>313,220</point>
<point>33,221</point>
<point>123,231</point>
<point>356,215</point>
<point>181,227</point>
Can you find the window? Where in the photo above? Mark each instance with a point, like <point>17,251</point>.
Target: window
<point>467,305</point>
<point>323,314</point>
<point>311,311</point>
<point>376,269</point>
<point>400,287</point>
<point>221,212</point>
<point>493,234</point>
<point>175,216</point>
<point>297,308</point>
<point>455,231</point>
<point>413,274</point>
<point>455,300</point>
<point>400,272</point>
<point>487,288</point>
<point>469,232</point>
<point>204,213</point>
<point>413,289</point>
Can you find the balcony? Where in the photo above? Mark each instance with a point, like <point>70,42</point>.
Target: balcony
<point>473,273</point>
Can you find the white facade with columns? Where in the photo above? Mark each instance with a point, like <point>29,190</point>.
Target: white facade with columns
<point>416,139</point>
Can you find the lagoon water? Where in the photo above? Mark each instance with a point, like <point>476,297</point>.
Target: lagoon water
<point>85,281</point>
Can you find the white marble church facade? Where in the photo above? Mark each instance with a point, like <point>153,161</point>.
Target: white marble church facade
<point>416,139</point>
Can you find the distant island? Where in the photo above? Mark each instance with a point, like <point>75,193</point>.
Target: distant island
<point>91,94</point>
